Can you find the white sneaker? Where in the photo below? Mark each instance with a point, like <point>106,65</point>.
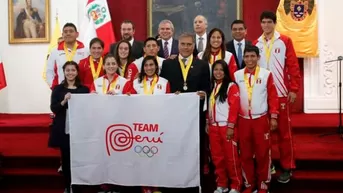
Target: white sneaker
<point>221,190</point>
<point>234,191</point>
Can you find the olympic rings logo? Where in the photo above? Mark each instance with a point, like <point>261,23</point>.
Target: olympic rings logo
<point>146,150</point>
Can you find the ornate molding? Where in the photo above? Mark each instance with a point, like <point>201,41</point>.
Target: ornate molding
<point>330,84</point>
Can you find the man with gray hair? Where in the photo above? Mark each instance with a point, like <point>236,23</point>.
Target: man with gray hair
<point>168,45</point>
<point>200,27</point>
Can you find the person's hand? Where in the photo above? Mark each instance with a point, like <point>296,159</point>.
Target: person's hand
<point>67,96</point>
<point>291,97</point>
<point>229,133</point>
<point>111,92</point>
<point>273,124</point>
<point>202,94</point>
<point>177,92</point>
<point>172,56</point>
<point>128,94</point>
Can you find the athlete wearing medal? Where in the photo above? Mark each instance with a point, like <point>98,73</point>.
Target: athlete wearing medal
<point>223,113</point>
<point>111,83</point>
<point>123,55</point>
<point>279,57</point>
<point>68,50</point>
<point>91,67</point>
<point>148,82</point>
<point>258,116</point>
<point>151,48</point>
<point>186,73</point>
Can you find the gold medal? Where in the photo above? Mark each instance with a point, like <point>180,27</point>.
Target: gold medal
<point>185,70</point>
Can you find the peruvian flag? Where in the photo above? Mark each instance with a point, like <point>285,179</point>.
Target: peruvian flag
<point>3,83</point>
<point>97,23</point>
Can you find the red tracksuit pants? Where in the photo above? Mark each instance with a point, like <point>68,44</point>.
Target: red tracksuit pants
<point>284,132</point>
<point>254,139</point>
<point>225,157</point>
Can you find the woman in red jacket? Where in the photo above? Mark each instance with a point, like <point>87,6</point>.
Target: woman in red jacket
<point>91,67</point>
<point>111,83</point>
<point>148,82</point>
<point>123,55</point>
<point>223,113</point>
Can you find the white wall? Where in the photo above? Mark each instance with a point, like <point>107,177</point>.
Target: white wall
<point>26,92</point>
<point>320,79</point>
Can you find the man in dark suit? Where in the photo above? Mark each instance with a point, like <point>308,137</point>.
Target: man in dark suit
<point>168,45</point>
<point>197,79</point>
<point>237,45</point>
<point>127,30</point>
<point>200,27</point>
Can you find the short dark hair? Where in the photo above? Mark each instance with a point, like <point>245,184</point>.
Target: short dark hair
<point>77,78</point>
<point>268,15</point>
<point>96,40</point>
<point>238,21</point>
<point>70,25</point>
<point>150,39</point>
<point>251,48</point>
<point>146,58</point>
<point>128,21</point>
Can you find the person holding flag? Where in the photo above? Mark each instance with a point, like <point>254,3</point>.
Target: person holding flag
<point>91,67</point>
<point>111,83</point>
<point>278,56</point>
<point>68,50</point>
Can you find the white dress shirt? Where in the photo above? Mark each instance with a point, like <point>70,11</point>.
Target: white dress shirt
<point>235,43</point>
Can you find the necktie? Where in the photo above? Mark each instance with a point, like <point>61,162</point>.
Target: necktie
<point>184,60</point>
<point>201,44</point>
<point>240,55</point>
<point>165,50</point>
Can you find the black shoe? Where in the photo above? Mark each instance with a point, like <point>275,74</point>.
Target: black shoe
<point>285,177</point>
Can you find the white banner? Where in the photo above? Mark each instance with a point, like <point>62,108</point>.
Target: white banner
<point>135,140</point>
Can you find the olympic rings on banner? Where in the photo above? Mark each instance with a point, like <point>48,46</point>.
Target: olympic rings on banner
<point>146,150</point>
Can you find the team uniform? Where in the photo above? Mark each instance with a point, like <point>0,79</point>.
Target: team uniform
<point>90,70</point>
<point>278,56</point>
<point>229,59</point>
<point>123,71</point>
<point>119,85</point>
<point>223,115</point>
<point>58,57</point>
<point>156,85</point>
<point>135,68</point>
<point>258,101</point>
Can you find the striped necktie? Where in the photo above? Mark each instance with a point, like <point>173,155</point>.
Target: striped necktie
<point>165,50</point>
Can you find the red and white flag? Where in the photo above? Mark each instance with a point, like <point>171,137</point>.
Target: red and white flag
<point>3,83</point>
<point>97,23</point>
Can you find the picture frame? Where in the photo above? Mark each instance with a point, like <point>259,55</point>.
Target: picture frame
<point>33,17</point>
<point>182,17</point>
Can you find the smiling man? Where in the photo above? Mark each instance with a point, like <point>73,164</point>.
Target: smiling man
<point>237,45</point>
<point>168,45</point>
<point>68,50</point>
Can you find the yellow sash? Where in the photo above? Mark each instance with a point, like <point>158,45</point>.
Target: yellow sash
<point>218,57</point>
<point>152,85</point>
<point>268,48</point>
<point>251,86</point>
<point>184,69</point>
<point>70,55</point>
<point>122,70</point>
<point>96,73</point>
<point>111,86</point>
<point>214,94</point>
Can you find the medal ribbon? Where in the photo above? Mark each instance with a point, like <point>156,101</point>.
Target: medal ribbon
<point>110,86</point>
<point>96,73</point>
<point>251,86</point>
<point>152,85</point>
<point>214,94</point>
<point>70,55</point>
<point>184,69</point>
<point>268,48</point>
<point>217,57</point>
<point>122,70</point>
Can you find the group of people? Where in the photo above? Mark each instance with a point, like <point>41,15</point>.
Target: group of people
<point>245,89</point>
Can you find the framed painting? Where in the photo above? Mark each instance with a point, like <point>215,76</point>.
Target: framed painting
<point>28,21</point>
<point>219,13</point>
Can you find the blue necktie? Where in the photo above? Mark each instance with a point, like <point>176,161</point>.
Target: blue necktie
<point>240,55</point>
